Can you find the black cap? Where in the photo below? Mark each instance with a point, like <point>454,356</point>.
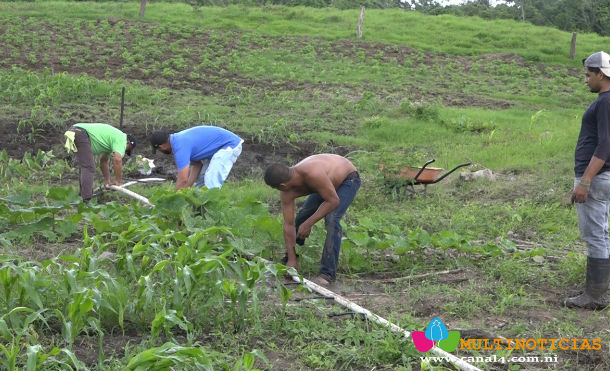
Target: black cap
<point>132,140</point>
<point>158,137</point>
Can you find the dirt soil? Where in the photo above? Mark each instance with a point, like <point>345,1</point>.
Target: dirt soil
<point>220,44</point>
<point>391,300</point>
<point>16,143</point>
<point>252,162</point>
<point>254,159</point>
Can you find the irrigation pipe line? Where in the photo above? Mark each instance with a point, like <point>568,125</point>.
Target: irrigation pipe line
<point>123,189</point>
<point>337,298</point>
<point>132,194</point>
<point>373,317</point>
<point>143,180</point>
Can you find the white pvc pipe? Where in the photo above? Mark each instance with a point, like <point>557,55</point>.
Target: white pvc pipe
<point>132,194</point>
<point>143,180</point>
<point>151,180</point>
<point>375,318</point>
<point>128,184</point>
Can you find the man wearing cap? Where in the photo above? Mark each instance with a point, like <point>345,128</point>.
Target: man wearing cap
<point>88,140</point>
<point>204,155</point>
<point>592,184</point>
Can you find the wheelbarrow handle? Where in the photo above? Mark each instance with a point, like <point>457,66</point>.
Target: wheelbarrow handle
<point>421,170</point>
<point>451,171</point>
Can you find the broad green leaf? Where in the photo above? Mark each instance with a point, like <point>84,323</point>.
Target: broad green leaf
<point>359,238</point>
<point>160,265</point>
<point>67,228</point>
<point>248,361</point>
<point>75,361</point>
<point>4,330</point>
<point>187,275</point>
<point>66,194</point>
<point>85,306</point>
<point>49,235</point>
<point>33,352</point>
<point>269,225</point>
<point>367,223</point>
<point>173,203</point>
<point>21,198</point>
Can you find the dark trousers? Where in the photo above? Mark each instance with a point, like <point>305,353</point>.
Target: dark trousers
<point>86,163</point>
<point>332,245</point>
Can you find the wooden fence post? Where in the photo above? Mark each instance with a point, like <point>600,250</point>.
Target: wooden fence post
<point>573,47</point>
<point>142,8</point>
<point>122,108</point>
<point>360,23</point>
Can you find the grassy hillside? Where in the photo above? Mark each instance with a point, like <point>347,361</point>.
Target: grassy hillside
<point>292,82</point>
<point>462,36</point>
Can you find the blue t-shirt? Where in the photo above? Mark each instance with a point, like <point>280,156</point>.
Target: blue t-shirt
<point>199,143</point>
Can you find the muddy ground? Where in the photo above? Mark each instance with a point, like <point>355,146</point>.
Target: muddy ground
<point>252,162</point>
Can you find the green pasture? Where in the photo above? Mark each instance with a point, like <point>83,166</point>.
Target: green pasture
<point>445,33</point>
<point>177,291</point>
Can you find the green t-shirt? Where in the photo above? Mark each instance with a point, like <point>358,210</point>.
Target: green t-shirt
<point>105,139</point>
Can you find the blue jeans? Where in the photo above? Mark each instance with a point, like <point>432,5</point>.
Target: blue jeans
<point>593,216</point>
<point>334,232</point>
<point>216,170</point>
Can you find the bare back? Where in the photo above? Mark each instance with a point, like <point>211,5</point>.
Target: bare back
<point>319,169</point>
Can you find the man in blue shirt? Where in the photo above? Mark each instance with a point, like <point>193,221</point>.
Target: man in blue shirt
<point>204,155</point>
<point>592,184</point>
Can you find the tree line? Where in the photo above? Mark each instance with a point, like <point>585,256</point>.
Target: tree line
<point>566,15</point>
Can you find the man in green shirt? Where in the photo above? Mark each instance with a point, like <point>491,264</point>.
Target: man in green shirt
<point>107,141</point>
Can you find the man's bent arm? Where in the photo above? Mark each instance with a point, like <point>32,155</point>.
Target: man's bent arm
<point>324,187</point>
<point>118,167</point>
<point>182,179</point>
<point>104,168</point>
<point>194,173</point>
<point>580,192</point>
<point>289,228</point>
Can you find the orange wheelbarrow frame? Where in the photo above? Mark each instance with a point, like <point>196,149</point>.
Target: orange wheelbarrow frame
<point>420,175</point>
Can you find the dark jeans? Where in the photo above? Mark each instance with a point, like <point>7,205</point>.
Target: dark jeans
<point>86,163</point>
<point>332,245</point>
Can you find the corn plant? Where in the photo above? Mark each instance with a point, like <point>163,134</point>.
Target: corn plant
<point>26,168</point>
<point>116,299</point>
<point>22,285</point>
<point>170,356</point>
<point>80,313</point>
<point>166,319</point>
<point>17,333</point>
<point>246,363</point>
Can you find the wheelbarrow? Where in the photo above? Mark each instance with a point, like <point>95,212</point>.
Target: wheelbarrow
<point>408,176</point>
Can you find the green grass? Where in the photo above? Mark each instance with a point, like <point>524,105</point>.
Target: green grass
<point>510,139</point>
<point>475,36</point>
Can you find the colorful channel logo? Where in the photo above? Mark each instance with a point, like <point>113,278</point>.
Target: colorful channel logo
<point>436,334</point>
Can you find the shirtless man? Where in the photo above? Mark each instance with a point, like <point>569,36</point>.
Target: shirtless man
<point>331,181</point>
